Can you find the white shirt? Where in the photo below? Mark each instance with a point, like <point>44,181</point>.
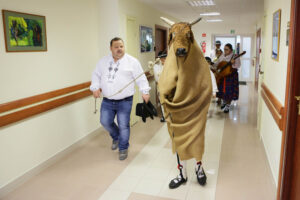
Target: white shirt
<point>112,76</point>
<point>157,68</point>
<point>236,65</point>
<point>213,56</point>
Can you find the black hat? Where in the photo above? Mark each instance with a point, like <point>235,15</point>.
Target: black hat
<point>145,110</point>
<point>218,42</point>
<point>162,54</point>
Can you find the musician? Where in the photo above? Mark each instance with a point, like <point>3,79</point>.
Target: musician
<point>157,71</point>
<point>229,85</point>
<point>217,52</point>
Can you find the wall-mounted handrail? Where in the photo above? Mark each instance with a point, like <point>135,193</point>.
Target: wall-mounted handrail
<point>273,105</point>
<point>19,115</point>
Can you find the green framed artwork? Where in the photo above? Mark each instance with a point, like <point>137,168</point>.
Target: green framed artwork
<point>24,32</point>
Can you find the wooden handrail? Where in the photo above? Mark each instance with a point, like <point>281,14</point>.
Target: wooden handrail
<point>275,102</point>
<point>273,105</point>
<point>19,115</point>
<point>41,97</point>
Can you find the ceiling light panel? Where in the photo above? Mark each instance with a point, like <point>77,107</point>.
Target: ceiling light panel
<point>210,14</point>
<point>214,20</point>
<point>201,3</point>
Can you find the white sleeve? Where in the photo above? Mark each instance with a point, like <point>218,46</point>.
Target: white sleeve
<point>142,81</point>
<point>214,83</point>
<point>96,78</point>
<point>237,63</point>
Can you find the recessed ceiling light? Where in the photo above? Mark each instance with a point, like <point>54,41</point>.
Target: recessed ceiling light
<point>201,3</point>
<point>210,14</point>
<point>214,20</point>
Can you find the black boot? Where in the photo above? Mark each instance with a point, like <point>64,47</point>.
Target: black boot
<point>201,176</point>
<point>162,119</point>
<point>176,182</point>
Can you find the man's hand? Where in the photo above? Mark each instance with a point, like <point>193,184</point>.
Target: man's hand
<point>97,93</point>
<point>146,97</point>
<point>232,61</point>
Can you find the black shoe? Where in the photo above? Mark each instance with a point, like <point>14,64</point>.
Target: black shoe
<point>223,105</point>
<point>227,108</point>
<point>176,182</point>
<point>201,176</point>
<point>162,119</point>
<point>114,144</point>
<point>123,154</point>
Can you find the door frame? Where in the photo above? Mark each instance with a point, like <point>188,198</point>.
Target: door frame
<point>257,58</point>
<point>167,31</point>
<point>289,160</point>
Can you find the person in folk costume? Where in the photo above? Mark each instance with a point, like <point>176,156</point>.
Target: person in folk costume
<point>229,85</point>
<point>157,68</point>
<point>185,93</point>
<point>217,52</point>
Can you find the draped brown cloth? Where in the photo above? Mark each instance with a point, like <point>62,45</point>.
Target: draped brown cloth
<point>185,91</point>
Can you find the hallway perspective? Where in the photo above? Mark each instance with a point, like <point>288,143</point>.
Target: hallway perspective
<point>234,161</point>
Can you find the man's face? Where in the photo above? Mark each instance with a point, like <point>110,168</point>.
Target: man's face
<point>117,49</point>
<point>218,46</point>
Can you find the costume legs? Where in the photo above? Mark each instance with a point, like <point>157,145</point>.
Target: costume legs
<point>182,177</point>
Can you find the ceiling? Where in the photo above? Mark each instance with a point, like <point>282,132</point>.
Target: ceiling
<point>232,11</point>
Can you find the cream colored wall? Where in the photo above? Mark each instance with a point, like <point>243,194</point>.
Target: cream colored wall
<point>72,37</point>
<point>145,16</point>
<point>275,78</point>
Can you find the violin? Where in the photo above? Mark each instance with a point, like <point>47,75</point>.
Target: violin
<point>224,68</point>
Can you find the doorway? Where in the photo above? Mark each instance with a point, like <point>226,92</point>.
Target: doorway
<point>239,44</point>
<point>161,35</point>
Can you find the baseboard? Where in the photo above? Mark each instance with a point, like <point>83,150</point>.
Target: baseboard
<point>54,159</point>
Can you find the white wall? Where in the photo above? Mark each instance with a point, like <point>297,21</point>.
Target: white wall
<point>73,50</point>
<point>146,16</point>
<point>275,78</point>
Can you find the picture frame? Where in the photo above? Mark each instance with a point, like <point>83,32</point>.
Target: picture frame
<point>24,32</point>
<point>276,34</point>
<point>146,39</point>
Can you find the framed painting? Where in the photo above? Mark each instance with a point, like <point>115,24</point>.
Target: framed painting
<point>276,34</point>
<point>24,32</point>
<point>146,39</point>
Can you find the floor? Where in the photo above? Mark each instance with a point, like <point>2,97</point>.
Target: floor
<point>234,161</point>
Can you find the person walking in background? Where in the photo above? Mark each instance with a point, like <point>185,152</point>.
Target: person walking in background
<point>157,71</point>
<point>112,73</point>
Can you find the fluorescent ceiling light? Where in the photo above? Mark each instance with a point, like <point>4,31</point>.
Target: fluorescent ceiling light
<point>214,20</point>
<point>210,14</point>
<point>201,3</point>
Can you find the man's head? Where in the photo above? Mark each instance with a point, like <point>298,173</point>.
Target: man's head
<point>162,55</point>
<point>117,48</point>
<point>218,44</point>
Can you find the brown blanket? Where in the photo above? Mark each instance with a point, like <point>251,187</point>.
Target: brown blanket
<point>185,92</point>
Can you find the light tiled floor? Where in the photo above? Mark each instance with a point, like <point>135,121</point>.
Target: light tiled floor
<point>234,161</point>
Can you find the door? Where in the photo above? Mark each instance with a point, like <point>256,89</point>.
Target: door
<point>161,34</point>
<point>289,184</point>
<point>132,49</point>
<point>257,60</point>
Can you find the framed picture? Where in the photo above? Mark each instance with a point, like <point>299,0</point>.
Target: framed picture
<point>146,39</point>
<point>276,34</point>
<point>24,32</point>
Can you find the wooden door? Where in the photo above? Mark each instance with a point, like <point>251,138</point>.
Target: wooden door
<point>289,183</point>
<point>161,34</point>
<point>257,66</point>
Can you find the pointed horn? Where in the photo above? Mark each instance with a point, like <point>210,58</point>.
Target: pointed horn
<point>167,21</point>
<point>196,21</point>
